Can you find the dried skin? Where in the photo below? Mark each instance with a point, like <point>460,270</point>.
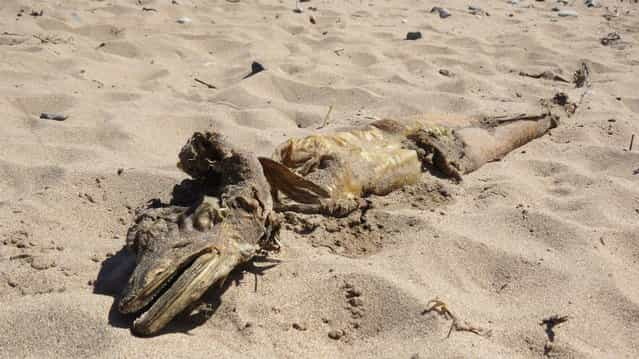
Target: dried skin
<point>226,216</point>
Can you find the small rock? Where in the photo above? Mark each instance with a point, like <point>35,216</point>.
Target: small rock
<point>331,227</point>
<point>443,12</point>
<point>610,39</point>
<point>95,258</point>
<point>256,67</point>
<point>335,334</point>
<point>475,10</point>
<point>299,326</point>
<point>184,20</point>
<point>53,116</point>
<point>12,283</point>
<point>120,170</point>
<point>414,35</point>
<point>446,73</point>
<point>592,3</point>
<point>89,198</point>
<point>567,13</point>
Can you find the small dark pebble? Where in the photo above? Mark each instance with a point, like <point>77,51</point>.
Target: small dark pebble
<point>446,73</point>
<point>53,116</point>
<point>299,326</point>
<point>256,67</point>
<point>414,35</point>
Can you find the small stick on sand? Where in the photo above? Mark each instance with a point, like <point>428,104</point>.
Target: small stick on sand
<point>632,140</point>
<point>441,308</point>
<point>327,117</point>
<point>205,83</point>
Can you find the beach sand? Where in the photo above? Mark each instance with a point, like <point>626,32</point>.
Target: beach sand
<point>549,230</point>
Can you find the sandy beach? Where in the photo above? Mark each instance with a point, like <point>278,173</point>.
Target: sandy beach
<point>550,230</point>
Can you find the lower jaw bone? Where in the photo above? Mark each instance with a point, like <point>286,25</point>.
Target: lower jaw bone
<point>206,270</point>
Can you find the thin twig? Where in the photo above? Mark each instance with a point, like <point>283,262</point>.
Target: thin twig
<point>632,140</point>
<point>205,83</point>
<point>327,117</point>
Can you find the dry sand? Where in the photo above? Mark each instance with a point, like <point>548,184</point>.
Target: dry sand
<point>551,229</point>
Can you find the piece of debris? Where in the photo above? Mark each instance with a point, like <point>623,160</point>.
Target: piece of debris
<point>443,12</point>
<point>256,67</point>
<point>441,308</point>
<point>299,326</point>
<point>88,197</point>
<point>446,73</point>
<point>312,20</point>
<point>476,10</point>
<point>416,35</point>
<point>551,323</point>
<point>592,3</point>
<point>184,20</point>
<point>567,13</point>
<point>149,9</point>
<point>36,13</point>
<point>120,171</point>
<point>581,77</point>
<point>20,256</point>
<point>546,75</point>
<point>53,116</point>
<point>610,39</point>
<point>632,140</point>
<point>205,83</point>
<point>562,99</point>
<point>338,52</point>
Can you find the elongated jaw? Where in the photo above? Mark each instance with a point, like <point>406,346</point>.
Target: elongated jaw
<point>183,289</point>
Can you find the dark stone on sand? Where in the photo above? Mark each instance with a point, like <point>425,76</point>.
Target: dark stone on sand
<point>53,116</point>
<point>414,35</point>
